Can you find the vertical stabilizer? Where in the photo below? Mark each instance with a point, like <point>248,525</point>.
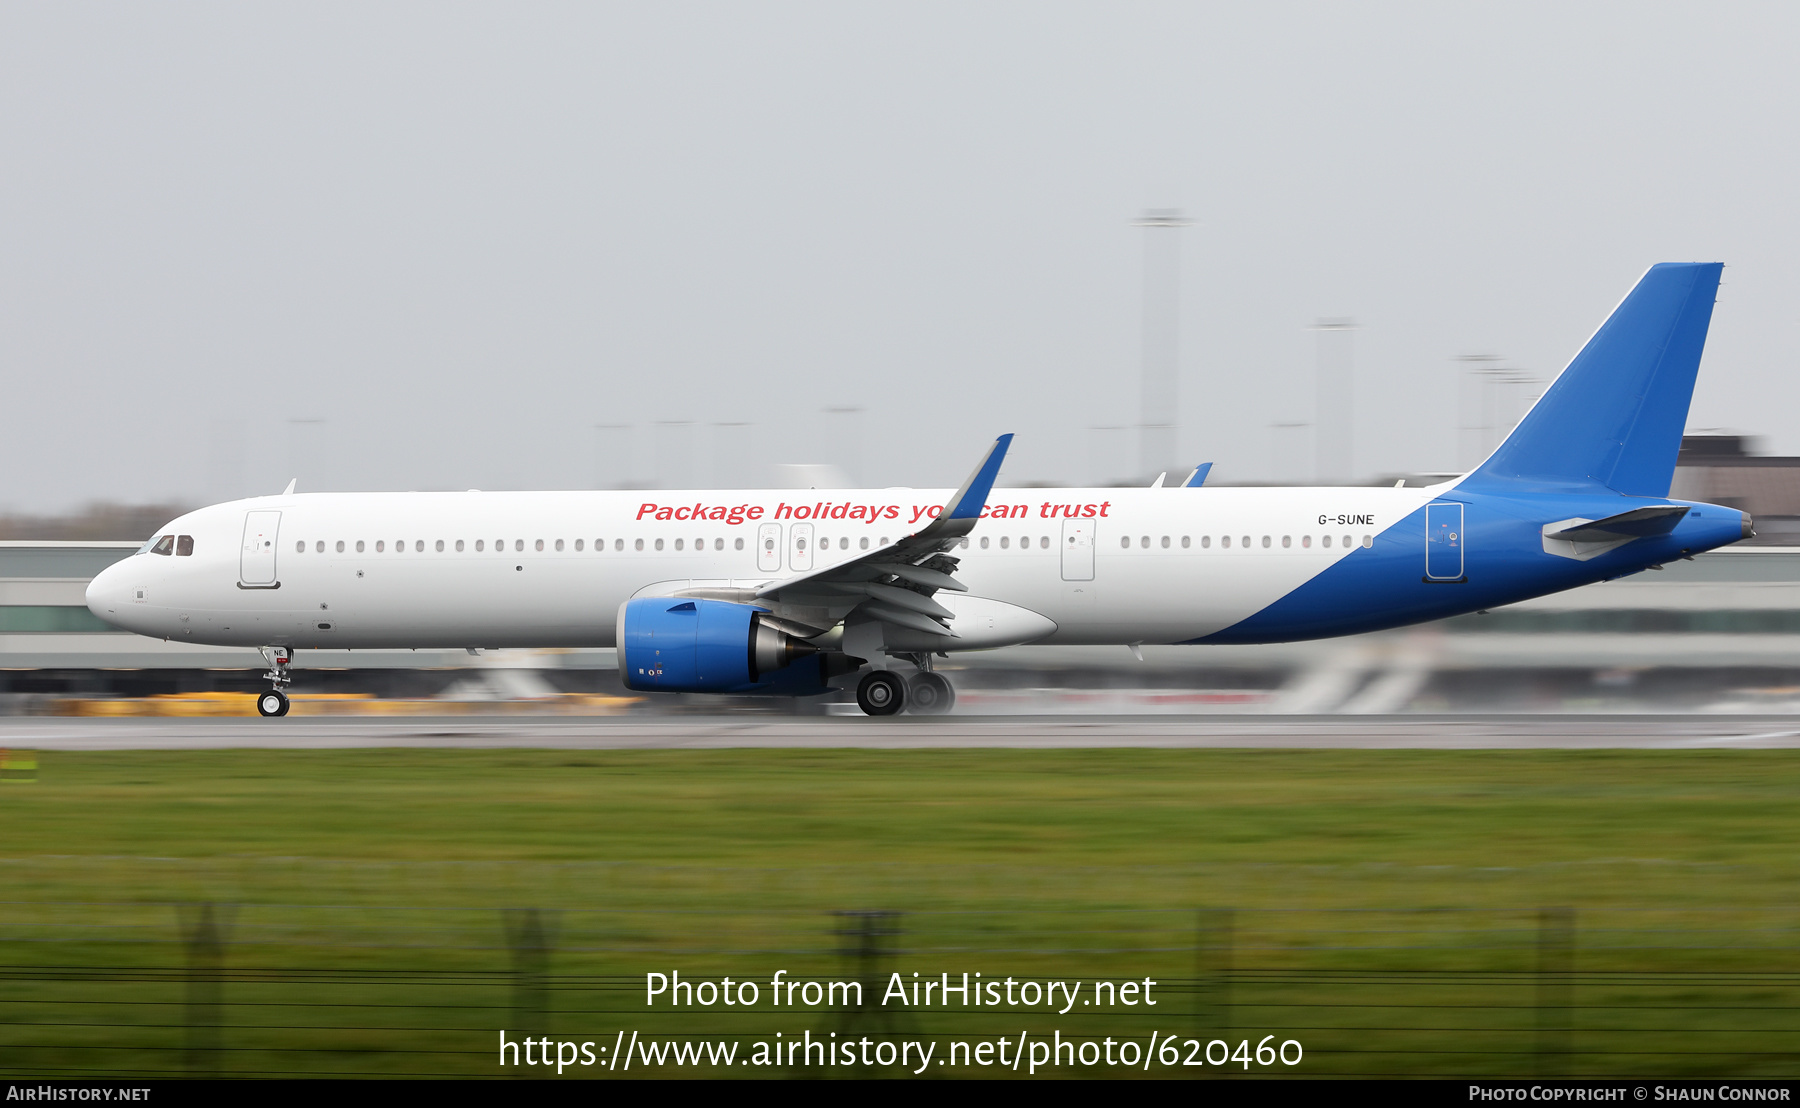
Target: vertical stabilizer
<point>1615,415</point>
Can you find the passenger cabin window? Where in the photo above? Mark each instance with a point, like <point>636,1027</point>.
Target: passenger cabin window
<point>578,544</point>
<point>164,545</point>
<point>359,546</point>
<point>619,544</point>
<point>340,546</point>
<point>540,545</point>
<point>300,547</point>
<point>184,546</point>
<point>740,544</point>
<point>419,546</point>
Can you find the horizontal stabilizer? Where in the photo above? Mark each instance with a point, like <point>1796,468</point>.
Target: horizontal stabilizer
<point>1635,524</point>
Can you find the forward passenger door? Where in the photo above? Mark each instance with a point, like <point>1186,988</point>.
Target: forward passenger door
<point>256,563</point>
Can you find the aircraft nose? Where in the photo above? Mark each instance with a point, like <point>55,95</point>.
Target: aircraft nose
<point>1749,526</point>
<point>102,594</point>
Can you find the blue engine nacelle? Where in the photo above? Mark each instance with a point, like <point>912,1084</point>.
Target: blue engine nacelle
<point>668,644</point>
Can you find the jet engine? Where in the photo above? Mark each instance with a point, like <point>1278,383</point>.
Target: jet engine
<point>671,644</point>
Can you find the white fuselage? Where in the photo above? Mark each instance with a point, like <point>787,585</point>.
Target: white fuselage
<point>550,569</point>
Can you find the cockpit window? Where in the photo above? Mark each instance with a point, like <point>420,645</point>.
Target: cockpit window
<point>184,546</point>
<point>164,545</point>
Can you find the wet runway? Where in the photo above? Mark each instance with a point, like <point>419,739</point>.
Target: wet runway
<point>673,732</point>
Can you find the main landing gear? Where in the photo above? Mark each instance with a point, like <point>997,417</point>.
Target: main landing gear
<point>884,693</point>
<point>930,694</point>
<point>275,702</point>
<point>881,693</point>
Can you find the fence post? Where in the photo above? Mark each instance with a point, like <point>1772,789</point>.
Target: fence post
<point>865,942</point>
<point>1212,972</point>
<point>203,940</point>
<point>1555,990</point>
<point>529,933</point>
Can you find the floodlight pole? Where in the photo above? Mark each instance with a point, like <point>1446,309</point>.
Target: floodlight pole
<point>1160,389</point>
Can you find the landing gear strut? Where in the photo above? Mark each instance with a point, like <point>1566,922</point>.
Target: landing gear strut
<point>275,702</point>
<point>881,693</point>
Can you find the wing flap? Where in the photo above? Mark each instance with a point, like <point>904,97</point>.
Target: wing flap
<point>901,618</point>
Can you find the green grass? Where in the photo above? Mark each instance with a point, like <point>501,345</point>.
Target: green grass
<point>1384,901</point>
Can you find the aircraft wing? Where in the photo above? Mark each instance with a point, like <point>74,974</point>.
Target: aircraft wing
<point>894,584</point>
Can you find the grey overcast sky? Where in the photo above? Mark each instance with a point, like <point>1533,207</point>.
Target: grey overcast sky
<point>464,235</point>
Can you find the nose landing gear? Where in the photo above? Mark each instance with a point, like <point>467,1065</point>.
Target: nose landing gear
<point>275,702</point>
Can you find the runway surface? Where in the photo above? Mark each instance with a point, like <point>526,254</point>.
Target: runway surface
<point>1460,732</point>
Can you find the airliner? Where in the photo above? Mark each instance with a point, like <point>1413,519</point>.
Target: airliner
<point>786,593</point>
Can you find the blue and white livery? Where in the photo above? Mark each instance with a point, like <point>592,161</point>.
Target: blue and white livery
<point>783,593</point>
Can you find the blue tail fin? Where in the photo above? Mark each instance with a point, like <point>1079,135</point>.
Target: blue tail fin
<point>1615,416</point>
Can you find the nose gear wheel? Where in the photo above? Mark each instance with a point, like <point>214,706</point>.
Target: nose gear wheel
<point>275,702</point>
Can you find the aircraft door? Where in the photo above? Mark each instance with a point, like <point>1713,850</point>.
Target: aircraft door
<point>1444,542</point>
<point>768,547</point>
<point>1078,550</point>
<point>256,563</point>
<point>800,547</point>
